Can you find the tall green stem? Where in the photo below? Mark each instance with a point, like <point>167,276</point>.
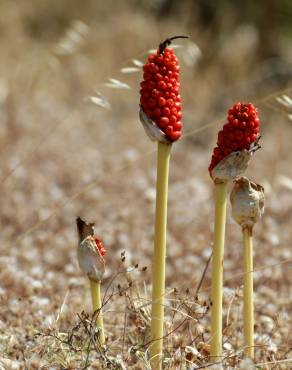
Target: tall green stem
<point>217,269</point>
<point>96,305</point>
<point>158,273</point>
<point>248,310</point>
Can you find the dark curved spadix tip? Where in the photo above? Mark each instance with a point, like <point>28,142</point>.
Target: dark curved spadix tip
<point>80,223</point>
<point>168,41</point>
<point>84,228</point>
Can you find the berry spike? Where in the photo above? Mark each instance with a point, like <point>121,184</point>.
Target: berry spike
<point>160,98</point>
<point>239,136</point>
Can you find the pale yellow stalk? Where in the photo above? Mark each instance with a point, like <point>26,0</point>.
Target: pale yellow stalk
<point>158,272</point>
<point>96,305</point>
<point>217,269</point>
<point>248,305</point>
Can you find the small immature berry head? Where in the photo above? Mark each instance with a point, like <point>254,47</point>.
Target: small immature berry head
<point>240,132</point>
<point>160,96</point>
<point>247,200</point>
<point>90,251</point>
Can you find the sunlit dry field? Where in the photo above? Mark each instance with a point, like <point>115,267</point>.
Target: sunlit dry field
<point>72,145</point>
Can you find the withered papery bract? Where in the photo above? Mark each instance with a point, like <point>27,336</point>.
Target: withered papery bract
<point>90,251</point>
<point>247,199</point>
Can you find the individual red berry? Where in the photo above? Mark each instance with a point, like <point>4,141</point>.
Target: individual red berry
<point>163,122</point>
<point>147,76</point>
<point>161,101</point>
<point>169,130</point>
<point>151,103</point>
<point>159,60</point>
<point>155,93</point>
<point>175,135</point>
<point>175,89</point>
<point>238,135</point>
<point>247,140</point>
<point>151,85</point>
<point>158,77</point>
<point>152,58</point>
<point>256,121</point>
<point>177,105</point>
<point>166,111</point>
<point>230,118</point>
<point>157,113</point>
<point>169,103</point>
<point>177,126</point>
<point>161,85</point>
<point>163,70</point>
<point>173,111</point>
<point>172,119</point>
<point>153,68</point>
<point>144,84</point>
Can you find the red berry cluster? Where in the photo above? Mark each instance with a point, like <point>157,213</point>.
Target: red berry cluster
<point>99,246</point>
<point>160,98</point>
<point>241,130</point>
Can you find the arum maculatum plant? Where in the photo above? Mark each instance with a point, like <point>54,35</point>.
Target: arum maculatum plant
<point>237,142</point>
<point>247,200</point>
<point>91,261</point>
<point>160,114</point>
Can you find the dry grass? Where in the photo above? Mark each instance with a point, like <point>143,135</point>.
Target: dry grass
<point>63,156</point>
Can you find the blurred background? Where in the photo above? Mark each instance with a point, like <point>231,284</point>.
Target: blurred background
<point>71,144</point>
